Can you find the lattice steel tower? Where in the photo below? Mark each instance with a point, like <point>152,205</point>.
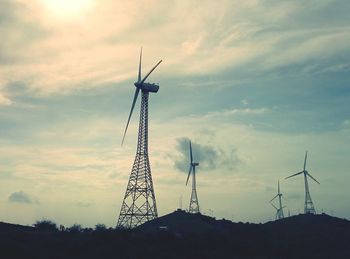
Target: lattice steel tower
<point>308,205</point>
<point>139,204</point>
<point>194,205</point>
<point>279,209</point>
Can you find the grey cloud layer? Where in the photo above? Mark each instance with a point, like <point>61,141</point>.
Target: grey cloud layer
<point>209,157</point>
<point>20,197</point>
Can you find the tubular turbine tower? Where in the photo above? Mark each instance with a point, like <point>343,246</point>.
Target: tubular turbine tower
<point>194,205</point>
<point>139,204</point>
<point>308,206</point>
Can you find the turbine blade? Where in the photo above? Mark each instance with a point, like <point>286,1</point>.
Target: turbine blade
<point>274,197</point>
<point>274,206</point>
<point>278,186</point>
<point>305,160</point>
<point>139,77</point>
<point>312,177</point>
<point>294,175</point>
<point>144,79</point>
<point>132,108</point>
<point>191,156</point>
<point>189,173</point>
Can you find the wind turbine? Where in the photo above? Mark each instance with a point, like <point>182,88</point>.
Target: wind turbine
<point>194,205</point>
<point>279,210</point>
<point>139,204</point>
<point>308,206</point>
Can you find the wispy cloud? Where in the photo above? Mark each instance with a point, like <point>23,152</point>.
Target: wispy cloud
<point>53,56</point>
<point>245,111</point>
<point>83,204</point>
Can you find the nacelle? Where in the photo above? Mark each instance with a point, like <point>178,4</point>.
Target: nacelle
<point>150,87</point>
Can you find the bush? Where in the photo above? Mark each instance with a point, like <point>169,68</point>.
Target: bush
<point>45,225</point>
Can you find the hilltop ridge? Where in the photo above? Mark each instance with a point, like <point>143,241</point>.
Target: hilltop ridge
<point>183,235</point>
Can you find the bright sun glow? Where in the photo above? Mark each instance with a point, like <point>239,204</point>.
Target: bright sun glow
<point>67,8</point>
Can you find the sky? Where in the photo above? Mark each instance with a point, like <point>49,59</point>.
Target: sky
<point>253,84</point>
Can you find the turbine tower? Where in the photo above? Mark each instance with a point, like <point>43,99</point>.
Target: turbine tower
<point>139,204</point>
<point>279,210</point>
<point>308,206</point>
<point>194,205</point>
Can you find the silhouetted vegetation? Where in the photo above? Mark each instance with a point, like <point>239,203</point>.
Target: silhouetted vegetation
<point>76,228</point>
<point>45,225</point>
<point>100,227</point>
<point>186,236</point>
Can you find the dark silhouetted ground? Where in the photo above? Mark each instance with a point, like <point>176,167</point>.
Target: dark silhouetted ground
<point>183,235</point>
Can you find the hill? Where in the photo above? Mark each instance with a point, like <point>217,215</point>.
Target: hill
<point>183,235</point>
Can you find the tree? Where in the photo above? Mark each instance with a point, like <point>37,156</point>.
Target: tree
<point>45,225</point>
<point>76,228</point>
<point>100,227</point>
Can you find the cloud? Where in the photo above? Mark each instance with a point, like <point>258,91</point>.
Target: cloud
<point>238,78</point>
<point>246,111</point>
<point>51,56</point>
<point>208,157</point>
<point>4,101</point>
<point>20,30</point>
<point>346,123</point>
<point>20,197</point>
<point>83,204</point>
<point>245,102</point>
